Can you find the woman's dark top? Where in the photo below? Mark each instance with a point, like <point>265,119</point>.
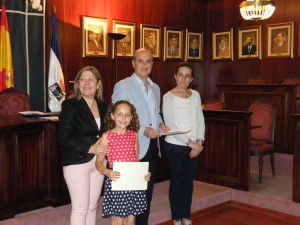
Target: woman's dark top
<point>78,130</point>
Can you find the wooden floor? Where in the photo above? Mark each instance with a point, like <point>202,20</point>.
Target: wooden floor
<point>234,213</point>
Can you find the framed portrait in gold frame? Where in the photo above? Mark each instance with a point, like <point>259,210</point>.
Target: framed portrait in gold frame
<point>280,40</point>
<point>94,37</point>
<point>194,46</point>
<point>150,39</point>
<point>222,47</point>
<point>249,42</point>
<point>173,43</point>
<point>125,46</point>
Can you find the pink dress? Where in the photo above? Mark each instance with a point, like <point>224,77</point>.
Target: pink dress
<point>122,203</point>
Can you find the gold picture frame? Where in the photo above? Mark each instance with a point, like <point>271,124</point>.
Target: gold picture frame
<point>222,45</point>
<point>280,40</point>
<point>173,43</point>
<point>249,41</point>
<point>125,46</point>
<point>94,37</point>
<point>150,39</point>
<point>194,46</point>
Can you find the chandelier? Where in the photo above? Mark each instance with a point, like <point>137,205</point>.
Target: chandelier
<point>257,9</point>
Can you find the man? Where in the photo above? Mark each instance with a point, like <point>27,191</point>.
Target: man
<point>139,90</point>
<point>249,48</point>
<point>150,43</point>
<point>194,51</point>
<point>280,45</point>
<point>124,46</point>
<point>93,44</point>
<point>173,49</point>
<point>223,48</point>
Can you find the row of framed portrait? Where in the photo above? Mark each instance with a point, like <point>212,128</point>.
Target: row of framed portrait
<point>95,39</point>
<point>188,47</point>
<point>280,42</point>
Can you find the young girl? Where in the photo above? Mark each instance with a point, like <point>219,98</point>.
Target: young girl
<point>122,124</point>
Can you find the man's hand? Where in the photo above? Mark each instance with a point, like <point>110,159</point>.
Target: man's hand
<point>151,133</point>
<point>163,128</point>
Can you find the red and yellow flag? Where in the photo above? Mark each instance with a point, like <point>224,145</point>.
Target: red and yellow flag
<point>6,69</point>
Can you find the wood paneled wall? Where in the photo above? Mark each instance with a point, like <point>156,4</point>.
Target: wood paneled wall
<point>224,14</point>
<point>185,14</point>
<point>199,15</point>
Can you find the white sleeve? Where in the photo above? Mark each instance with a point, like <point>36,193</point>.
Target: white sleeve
<point>200,119</point>
<point>169,117</point>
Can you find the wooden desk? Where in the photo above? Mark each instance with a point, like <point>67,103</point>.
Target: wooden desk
<point>240,96</point>
<point>296,166</point>
<point>226,156</point>
<point>30,174</point>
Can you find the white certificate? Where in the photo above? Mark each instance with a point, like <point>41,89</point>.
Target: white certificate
<point>132,176</point>
<point>171,132</point>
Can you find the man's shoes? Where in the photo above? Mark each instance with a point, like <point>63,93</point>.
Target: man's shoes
<point>186,222</point>
<point>177,222</point>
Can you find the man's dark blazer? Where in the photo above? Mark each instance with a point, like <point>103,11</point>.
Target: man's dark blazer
<point>194,52</point>
<point>246,52</point>
<point>78,130</point>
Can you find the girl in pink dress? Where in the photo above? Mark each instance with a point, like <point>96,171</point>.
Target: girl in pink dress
<point>122,124</point>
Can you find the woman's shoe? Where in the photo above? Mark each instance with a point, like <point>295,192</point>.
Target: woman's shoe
<point>186,222</point>
<point>177,222</point>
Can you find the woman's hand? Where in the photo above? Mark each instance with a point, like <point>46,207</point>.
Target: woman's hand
<point>147,176</point>
<point>99,149</point>
<point>197,148</point>
<point>103,150</point>
<point>113,175</point>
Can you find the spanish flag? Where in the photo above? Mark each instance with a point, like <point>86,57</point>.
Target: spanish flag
<point>6,70</point>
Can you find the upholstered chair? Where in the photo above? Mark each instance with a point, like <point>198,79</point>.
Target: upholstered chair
<point>262,138</point>
<point>13,101</point>
<point>213,104</point>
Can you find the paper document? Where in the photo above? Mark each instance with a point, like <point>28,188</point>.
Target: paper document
<point>38,113</point>
<point>132,176</point>
<point>52,118</point>
<point>171,132</point>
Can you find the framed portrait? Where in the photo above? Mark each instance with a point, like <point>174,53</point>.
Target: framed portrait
<point>125,46</point>
<point>94,36</point>
<point>173,43</point>
<point>36,6</point>
<point>222,45</point>
<point>150,39</point>
<point>249,42</point>
<point>194,46</point>
<point>280,40</point>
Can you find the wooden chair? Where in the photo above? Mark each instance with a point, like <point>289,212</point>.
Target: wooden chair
<point>213,104</point>
<point>262,139</point>
<point>13,101</point>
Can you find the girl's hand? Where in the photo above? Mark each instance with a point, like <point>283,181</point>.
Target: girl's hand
<point>147,176</point>
<point>113,175</point>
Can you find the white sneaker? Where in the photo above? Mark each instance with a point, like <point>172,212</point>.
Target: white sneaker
<point>186,222</point>
<point>177,222</point>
